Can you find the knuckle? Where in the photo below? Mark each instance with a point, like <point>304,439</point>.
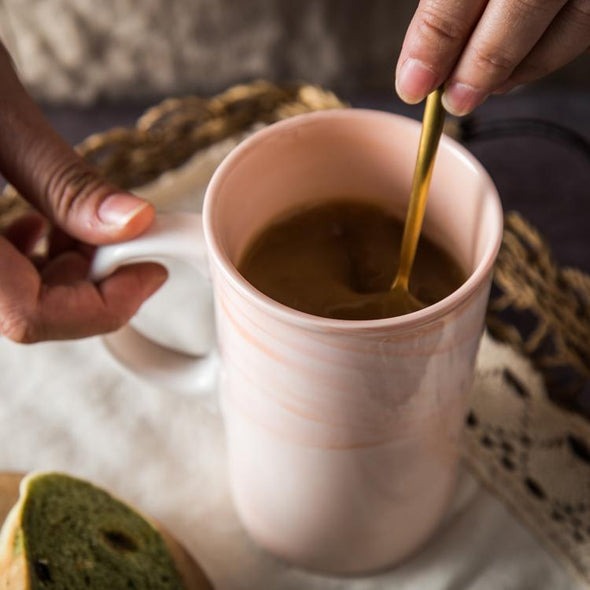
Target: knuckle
<point>18,327</point>
<point>437,25</point>
<point>493,60</point>
<point>580,13</point>
<point>531,70</point>
<point>68,187</point>
<point>524,8</point>
<point>529,5</point>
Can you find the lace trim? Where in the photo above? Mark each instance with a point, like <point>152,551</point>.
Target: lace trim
<point>532,454</point>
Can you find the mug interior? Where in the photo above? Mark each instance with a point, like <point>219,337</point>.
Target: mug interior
<point>350,153</point>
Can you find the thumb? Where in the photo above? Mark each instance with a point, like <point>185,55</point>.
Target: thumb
<point>56,180</point>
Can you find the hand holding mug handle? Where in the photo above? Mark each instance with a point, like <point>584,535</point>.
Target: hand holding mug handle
<point>172,236</point>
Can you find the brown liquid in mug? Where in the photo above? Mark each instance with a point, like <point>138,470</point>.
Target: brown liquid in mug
<point>338,260</point>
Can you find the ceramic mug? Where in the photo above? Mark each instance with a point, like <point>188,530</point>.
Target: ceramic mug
<point>343,435</point>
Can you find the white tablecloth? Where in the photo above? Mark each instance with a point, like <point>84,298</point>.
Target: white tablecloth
<point>70,406</point>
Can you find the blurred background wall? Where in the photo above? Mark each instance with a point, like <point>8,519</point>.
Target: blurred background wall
<point>81,51</point>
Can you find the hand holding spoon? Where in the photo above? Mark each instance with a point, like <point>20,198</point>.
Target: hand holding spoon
<point>432,125</point>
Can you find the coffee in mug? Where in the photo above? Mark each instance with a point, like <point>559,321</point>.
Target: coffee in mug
<point>338,259</point>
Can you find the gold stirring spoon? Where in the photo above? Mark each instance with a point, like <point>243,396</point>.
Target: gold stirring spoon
<point>432,126</point>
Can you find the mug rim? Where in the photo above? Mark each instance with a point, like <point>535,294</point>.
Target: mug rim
<point>285,313</point>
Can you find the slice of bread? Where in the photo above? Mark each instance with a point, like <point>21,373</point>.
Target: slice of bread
<point>66,534</point>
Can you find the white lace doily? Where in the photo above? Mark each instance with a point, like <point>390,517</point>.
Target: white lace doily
<point>532,455</point>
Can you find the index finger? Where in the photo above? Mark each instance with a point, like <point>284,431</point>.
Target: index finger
<point>61,303</point>
<point>67,308</point>
<point>437,34</point>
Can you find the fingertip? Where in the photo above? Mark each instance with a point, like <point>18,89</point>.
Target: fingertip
<point>414,80</point>
<point>460,99</point>
<point>134,283</point>
<point>154,275</point>
<point>125,291</point>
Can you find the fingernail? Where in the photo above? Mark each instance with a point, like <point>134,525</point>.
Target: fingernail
<point>460,99</point>
<point>120,209</point>
<point>414,81</point>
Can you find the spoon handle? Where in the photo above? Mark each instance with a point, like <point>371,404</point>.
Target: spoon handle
<point>432,126</point>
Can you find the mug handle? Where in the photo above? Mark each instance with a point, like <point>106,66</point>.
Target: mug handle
<point>172,236</point>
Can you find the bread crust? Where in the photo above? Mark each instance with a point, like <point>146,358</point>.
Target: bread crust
<point>13,574</point>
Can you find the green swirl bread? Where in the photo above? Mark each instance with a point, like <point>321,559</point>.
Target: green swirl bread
<point>67,534</point>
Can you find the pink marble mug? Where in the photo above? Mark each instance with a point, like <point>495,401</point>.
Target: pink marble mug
<point>343,436</point>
